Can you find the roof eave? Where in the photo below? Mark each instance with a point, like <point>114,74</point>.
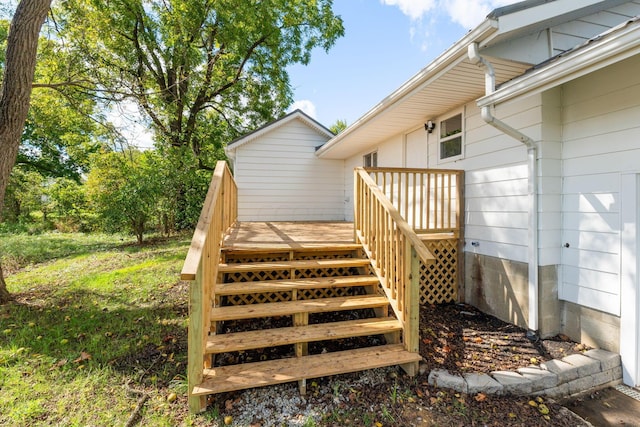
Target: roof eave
<point>597,54</point>
<point>455,52</point>
<point>294,115</point>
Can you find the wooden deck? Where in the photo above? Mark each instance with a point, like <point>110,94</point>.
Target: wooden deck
<point>288,235</point>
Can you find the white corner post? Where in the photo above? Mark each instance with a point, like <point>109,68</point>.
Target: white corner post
<point>629,279</point>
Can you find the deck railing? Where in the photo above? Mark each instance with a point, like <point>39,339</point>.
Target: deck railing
<point>395,251</point>
<point>220,212</point>
<point>428,199</point>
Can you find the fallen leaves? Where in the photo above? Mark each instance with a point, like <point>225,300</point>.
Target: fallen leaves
<point>83,356</point>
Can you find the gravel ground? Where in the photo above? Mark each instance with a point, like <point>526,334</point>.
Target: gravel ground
<point>455,337</point>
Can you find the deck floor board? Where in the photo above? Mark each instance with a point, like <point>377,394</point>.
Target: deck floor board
<point>288,235</point>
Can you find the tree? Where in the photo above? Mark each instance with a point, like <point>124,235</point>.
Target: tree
<point>61,129</point>
<point>338,126</point>
<point>15,92</point>
<point>124,189</point>
<point>201,70</point>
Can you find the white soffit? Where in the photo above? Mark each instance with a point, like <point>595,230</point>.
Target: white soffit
<point>455,85</point>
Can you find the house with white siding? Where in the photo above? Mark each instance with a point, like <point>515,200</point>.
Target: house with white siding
<point>539,105</point>
<point>279,176</point>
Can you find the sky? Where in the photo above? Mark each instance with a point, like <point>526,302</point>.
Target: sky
<point>386,42</point>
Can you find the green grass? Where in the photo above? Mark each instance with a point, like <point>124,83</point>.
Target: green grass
<point>96,318</point>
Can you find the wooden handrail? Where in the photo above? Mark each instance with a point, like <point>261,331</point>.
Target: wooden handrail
<point>221,178</point>
<point>395,251</point>
<point>220,211</point>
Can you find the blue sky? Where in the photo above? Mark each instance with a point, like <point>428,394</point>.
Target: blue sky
<point>385,43</point>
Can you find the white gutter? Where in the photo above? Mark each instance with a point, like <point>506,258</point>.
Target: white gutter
<point>532,154</point>
<point>415,83</point>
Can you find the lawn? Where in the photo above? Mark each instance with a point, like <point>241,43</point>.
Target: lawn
<point>97,336</point>
<point>98,328</point>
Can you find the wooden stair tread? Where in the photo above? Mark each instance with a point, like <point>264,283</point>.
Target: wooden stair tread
<point>237,341</point>
<point>239,288</point>
<point>286,308</point>
<point>295,264</point>
<point>286,247</point>
<point>250,375</point>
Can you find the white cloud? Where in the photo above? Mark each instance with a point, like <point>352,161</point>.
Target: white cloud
<point>470,13</point>
<point>305,105</point>
<point>466,13</point>
<point>414,9</point>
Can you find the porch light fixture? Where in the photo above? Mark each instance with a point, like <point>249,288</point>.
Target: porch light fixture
<point>429,126</point>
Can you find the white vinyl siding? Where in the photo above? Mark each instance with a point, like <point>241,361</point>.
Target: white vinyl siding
<point>601,130</point>
<point>496,184</point>
<point>280,179</point>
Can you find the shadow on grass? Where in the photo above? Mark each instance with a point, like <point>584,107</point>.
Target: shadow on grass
<point>145,340</point>
<point>18,251</point>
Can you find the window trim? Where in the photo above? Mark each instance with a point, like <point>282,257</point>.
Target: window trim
<point>373,159</point>
<point>460,135</point>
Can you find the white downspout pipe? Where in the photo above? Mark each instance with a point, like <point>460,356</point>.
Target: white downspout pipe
<point>532,154</point>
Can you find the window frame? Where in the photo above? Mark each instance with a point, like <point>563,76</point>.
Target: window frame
<point>451,137</point>
<point>371,158</point>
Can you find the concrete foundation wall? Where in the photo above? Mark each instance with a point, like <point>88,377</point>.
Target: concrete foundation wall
<point>591,327</point>
<point>500,287</point>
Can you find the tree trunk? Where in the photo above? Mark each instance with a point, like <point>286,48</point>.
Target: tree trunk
<point>20,65</point>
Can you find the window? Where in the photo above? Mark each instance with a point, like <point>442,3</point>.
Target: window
<point>451,137</point>
<point>370,160</point>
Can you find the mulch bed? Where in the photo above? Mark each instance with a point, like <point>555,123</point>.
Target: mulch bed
<point>461,338</point>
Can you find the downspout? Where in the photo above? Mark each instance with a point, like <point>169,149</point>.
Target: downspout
<point>532,151</point>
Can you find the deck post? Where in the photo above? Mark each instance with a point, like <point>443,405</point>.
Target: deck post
<point>412,306</point>
<point>196,334</point>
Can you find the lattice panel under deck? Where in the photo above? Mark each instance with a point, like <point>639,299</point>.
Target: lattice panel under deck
<point>325,272</point>
<point>256,298</point>
<point>256,276</point>
<point>242,258</point>
<point>439,282</point>
<point>305,294</point>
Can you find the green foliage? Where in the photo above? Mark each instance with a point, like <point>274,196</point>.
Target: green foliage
<point>203,71</point>
<point>69,206</point>
<point>338,126</point>
<point>95,322</point>
<point>25,194</point>
<point>184,187</point>
<point>61,130</point>
<point>124,189</point>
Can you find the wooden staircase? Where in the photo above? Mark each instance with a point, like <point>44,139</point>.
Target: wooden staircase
<point>303,300</point>
<point>258,287</point>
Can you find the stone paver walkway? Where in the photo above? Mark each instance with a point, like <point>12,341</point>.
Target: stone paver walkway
<point>556,378</point>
